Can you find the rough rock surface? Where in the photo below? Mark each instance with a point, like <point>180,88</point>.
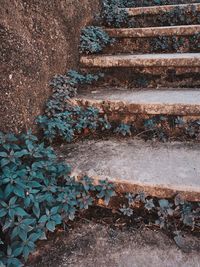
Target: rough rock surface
<point>38,39</point>
<point>99,245</point>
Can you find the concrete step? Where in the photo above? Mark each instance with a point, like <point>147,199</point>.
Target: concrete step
<point>134,107</point>
<point>160,170</point>
<point>169,39</point>
<point>148,60</point>
<point>154,10</point>
<point>182,30</point>
<point>148,102</point>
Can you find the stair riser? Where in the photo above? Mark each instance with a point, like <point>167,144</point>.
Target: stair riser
<point>156,77</point>
<point>135,114</point>
<point>165,19</point>
<point>142,3</point>
<point>158,9</point>
<point>153,45</point>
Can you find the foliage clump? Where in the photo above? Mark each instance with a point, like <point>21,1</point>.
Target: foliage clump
<point>113,13</point>
<point>37,193</point>
<point>160,127</point>
<point>64,120</point>
<point>123,129</point>
<point>179,16</point>
<point>143,3</point>
<point>94,39</point>
<point>175,43</point>
<point>172,215</point>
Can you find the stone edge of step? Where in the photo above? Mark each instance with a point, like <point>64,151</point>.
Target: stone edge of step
<point>159,191</point>
<point>142,60</point>
<point>178,109</point>
<point>152,10</point>
<point>183,30</point>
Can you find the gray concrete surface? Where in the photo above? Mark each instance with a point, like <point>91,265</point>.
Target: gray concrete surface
<point>134,165</point>
<point>164,96</point>
<point>152,102</point>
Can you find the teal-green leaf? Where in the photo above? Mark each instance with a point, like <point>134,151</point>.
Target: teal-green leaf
<point>20,212</point>
<point>51,226</point>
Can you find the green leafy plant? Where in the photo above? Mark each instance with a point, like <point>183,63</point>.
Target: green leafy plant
<point>37,194</point>
<point>105,191</point>
<point>142,3</point>
<point>159,126</point>
<point>179,16</point>
<point>175,43</point>
<point>169,214</point>
<point>94,39</point>
<point>64,120</point>
<point>113,14</point>
<point>73,121</point>
<point>154,128</point>
<point>192,129</point>
<point>123,129</point>
<point>195,42</point>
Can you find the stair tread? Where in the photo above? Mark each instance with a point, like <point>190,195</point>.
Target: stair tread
<point>182,30</point>
<point>130,60</point>
<point>134,165</point>
<point>176,102</point>
<point>135,11</point>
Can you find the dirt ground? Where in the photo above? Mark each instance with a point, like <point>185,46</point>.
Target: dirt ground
<point>91,242</point>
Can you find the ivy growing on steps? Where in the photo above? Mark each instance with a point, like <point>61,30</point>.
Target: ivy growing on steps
<point>37,191</point>
<point>37,194</point>
<point>179,16</point>
<point>175,43</point>
<point>159,127</point>
<point>173,215</point>
<point>63,120</point>
<point>112,14</point>
<point>166,43</point>
<point>94,39</point>
<point>144,3</point>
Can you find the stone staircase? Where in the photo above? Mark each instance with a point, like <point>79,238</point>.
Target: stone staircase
<point>158,169</point>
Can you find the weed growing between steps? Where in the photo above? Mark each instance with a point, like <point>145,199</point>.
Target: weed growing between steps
<point>64,120</point>
<point>179,16</point>
<point>112,15</point>
<point>161,128</point>
<point>175,17</point>
<point>145,3</point>
<point>158,127</point>
<point>37,194</point>
<point>94,40</point>
<point>175,43</point>
<point>172,215</point>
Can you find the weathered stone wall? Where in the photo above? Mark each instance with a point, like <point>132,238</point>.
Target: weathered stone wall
<point>38,39</point>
